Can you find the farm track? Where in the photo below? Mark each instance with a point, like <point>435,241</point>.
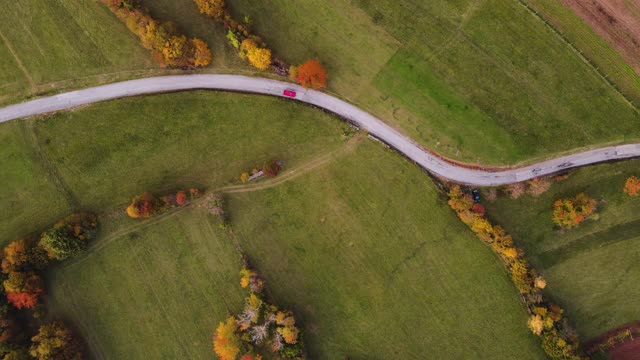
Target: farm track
<point>406,146</point>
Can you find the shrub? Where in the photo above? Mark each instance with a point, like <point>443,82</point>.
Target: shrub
<point>312,74</point>
<point>632,186</point>
<point>568,213</point>
<point>181,197</point>
<point>538,186</point>
<point>516,190</point>
<point>244,177</point>
<point>271,168</point>
<point>142,206</point>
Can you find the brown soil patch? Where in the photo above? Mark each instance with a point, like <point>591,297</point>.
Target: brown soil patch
<point>627,351</point>
<point>617,21</point>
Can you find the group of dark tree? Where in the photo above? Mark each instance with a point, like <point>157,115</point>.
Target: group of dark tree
<point>260,329</point>
<point>23,264</point>
<point>546,320</point>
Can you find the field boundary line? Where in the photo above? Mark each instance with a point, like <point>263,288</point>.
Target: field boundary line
<point>26,74</point>
<point>580,54</point>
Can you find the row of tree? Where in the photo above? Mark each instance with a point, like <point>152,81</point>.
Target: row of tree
<point>167,44</point>
<point>23,264</point>
<point>260,327</point>
<point>146,205</point>
<point>559,340</point>
<point>254,49</point>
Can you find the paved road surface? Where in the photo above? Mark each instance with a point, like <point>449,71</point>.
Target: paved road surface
<point>368,122</point>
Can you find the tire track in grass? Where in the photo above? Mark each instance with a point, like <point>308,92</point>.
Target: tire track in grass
<point>21,66</point>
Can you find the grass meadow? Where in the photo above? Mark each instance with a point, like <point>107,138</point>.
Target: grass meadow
<point>592,269</point>
<point>364,249</point>
<point>98,157</point>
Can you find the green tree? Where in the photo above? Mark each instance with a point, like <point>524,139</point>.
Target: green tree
<point>60,244</point>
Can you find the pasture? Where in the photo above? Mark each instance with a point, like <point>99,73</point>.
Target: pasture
<point>98,157</point>
<point>372,270</point>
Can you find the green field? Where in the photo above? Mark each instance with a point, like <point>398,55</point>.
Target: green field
<point>100,156</point>
<point>592,269</point>
<point>369,273</point>
<point>49,45</point>
<point>476,80</point>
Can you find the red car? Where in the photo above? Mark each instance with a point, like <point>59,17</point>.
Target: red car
<point>289,93</point>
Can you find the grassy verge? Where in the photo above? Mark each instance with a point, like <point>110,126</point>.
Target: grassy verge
<point>591,270</point>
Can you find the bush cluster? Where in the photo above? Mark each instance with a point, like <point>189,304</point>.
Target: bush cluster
<point>558,339</point>
<point>168,46</point>
<point>571,212</point>
<point>261,327</point>
<point>611,341</point>
<point>23,262</point>
<point>146,205</point>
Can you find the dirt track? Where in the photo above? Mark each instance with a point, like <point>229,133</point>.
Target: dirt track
<point>617,21</point>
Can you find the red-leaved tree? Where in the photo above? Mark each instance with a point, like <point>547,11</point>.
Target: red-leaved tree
<point>312,74</point>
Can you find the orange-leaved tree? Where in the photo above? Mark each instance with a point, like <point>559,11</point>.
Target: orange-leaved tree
<point>14,257</point>
<point>568,213</point>
<point>312,74</point>
<point>201,53</point>
<point>213,8</point>
<point>226,342</point>
<point>23,289</point>
<point>632,186</point>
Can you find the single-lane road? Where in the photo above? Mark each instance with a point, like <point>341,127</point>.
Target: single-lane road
<point>365,120</point>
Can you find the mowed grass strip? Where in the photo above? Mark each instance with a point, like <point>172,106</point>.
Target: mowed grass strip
<point>592,269</point>
<point>475,80</point>
<point>153,293</point>
<point>371,258</point>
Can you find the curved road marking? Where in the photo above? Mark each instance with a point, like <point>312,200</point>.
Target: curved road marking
<point>365,120</point>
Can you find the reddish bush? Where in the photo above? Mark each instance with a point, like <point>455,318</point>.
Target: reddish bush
<point>271,168</point>
<point>181,197</point>
<point>312,74</point>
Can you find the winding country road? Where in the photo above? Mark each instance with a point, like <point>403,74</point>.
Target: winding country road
<point>366,121</point>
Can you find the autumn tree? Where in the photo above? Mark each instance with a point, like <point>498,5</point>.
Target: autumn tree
<point>201,53</point>
<point>17,354</point>
<point>568,213</point>
<point>271,168</point>
<point>516,190</point>
<point>14,256</point>
<point>312,74</point>
<point>55,341</point>
<point>212,8</point>
<point>244,177</point>
<point>142,206</point>
<point>258,57</point>
<point>632,186</point>
<point>23,289</point>
<point>226,342</point>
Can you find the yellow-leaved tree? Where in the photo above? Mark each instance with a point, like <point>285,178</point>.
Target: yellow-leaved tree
<point>226,342</point>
